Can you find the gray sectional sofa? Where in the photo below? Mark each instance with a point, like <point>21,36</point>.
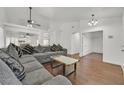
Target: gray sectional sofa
<point>44,54</point>
<point>36,74</point>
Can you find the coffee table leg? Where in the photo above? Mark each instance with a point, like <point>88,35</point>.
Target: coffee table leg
<point>75,67</point>
<point>64,69</point>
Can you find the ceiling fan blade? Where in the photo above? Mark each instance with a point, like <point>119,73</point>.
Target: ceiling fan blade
<point>36,24</point>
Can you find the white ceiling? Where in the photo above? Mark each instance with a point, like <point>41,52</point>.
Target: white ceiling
<point>20,15</point>
<point>42,15</point>
<point>77,13</point>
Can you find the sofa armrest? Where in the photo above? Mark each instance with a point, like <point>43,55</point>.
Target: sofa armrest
<point>58,80</point>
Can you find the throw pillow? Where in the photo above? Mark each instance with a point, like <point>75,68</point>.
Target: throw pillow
<point>14,65</point>
<point>53,47</point>
<point>11,50</point>
<point>56,48</point>
<point>28,49</point>
<point>18,49</point>
<point>60,48</point>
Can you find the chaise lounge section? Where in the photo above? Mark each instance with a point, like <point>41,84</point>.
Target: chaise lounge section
<point>36,74</point>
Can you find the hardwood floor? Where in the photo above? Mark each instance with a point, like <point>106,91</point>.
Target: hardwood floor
<point>92,71</point>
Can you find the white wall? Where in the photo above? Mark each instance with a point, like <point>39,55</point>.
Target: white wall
<point>62,34</point>
<point>111,46</point>
<point>55,33</point>
<point>75,42</point>
<point>2,20</point>
<point>112,27</point>
<point>122,47</point>
<point>2,43</point>
<point>2,16</point>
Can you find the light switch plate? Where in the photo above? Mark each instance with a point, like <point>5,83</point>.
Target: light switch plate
<point>110,37</point>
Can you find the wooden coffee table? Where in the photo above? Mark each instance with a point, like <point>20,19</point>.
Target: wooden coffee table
<point>65,61</point>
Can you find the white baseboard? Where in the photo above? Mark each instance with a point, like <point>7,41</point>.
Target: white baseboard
<point>122,66</point>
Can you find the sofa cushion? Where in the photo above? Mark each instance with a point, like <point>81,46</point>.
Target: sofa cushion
<point>27,59</point>
<point>37,77</point>
<point>58,80</point>
<point>42,49</point>
<point>7,77</point>
<point>47,48</point>
<point>14,65</point>
<point>11,50</point>
<point>3,54</point>
<point>31,66</point>
<point>39,49</point>
<point>42,57</point>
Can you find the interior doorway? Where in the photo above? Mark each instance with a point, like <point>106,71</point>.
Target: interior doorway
<point>92,43</point>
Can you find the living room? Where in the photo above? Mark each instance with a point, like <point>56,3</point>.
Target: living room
<point>95,50</point>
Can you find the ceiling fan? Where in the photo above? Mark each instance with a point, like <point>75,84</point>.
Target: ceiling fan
<point>30,21</point>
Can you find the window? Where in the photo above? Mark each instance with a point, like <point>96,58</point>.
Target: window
<point>1,38</point>
<point>46,39</point>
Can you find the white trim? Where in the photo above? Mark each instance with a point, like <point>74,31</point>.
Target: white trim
<point>122,66</point>
<point>20,28</point>
<point>112,62</point>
